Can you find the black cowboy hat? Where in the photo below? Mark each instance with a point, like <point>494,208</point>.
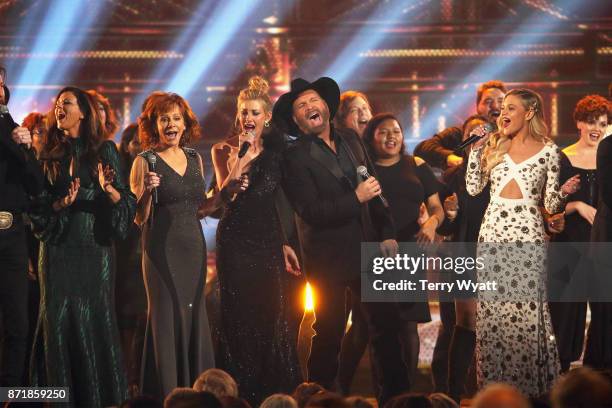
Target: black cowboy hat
<point>329,90</point>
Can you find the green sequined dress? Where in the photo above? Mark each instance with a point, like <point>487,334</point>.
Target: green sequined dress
<point>77,341</point>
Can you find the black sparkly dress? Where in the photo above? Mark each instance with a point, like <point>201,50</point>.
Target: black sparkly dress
<point>178,344</point>
<point>257,346</point>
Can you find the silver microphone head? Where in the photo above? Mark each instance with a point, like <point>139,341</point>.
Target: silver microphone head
<point>489,127</point>
<point>3,109</point>
<point>363,172</point>
<point>151,158</point>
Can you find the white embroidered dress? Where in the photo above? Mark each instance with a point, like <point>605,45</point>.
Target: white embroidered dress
<point>514,337</point>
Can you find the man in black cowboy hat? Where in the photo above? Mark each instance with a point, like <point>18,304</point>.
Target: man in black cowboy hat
<point>336,212</point>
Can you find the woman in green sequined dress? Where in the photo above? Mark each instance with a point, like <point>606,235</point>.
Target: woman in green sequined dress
<point>85,205</point>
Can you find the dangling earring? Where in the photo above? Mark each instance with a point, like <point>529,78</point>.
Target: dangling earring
<point>267,123</point>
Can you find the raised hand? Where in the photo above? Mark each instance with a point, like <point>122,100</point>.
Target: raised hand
<point>151,180</point>
<point>571,185</point>
<point>68,199</point>
<point>480,131</point>
<point>367,190</point>
<point>587,212</point>
<point>238,185</point>
<point>106,176</point>
<point>21,135</point>
<point>556,222</point>
<point>389,248</point>
<point>451,206</point>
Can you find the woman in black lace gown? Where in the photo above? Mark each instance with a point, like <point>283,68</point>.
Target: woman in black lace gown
<point>258,346</point>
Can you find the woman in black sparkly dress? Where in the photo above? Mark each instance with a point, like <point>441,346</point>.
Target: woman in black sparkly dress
<point>178,345</point>
<point>258,346</point>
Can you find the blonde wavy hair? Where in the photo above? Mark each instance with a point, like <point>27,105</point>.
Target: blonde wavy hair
<point>256,90</point>
<point>499,144</point>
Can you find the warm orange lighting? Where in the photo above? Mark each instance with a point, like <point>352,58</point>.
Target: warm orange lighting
<point>308,298</point>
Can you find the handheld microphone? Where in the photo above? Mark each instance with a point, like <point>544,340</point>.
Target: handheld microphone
<point>152,160</point>
<point>244,148</point>
<point>473,138</point>
<point>362,171</point>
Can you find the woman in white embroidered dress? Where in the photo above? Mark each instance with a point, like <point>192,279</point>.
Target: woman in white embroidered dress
<point>514,337</point>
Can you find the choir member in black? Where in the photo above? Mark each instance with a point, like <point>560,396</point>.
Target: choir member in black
<point>454,350</point>
<point>130,296</point>
<point>110,125</point>
<point>85,205</point>
<point>439,150</point>
<point>599,342</point>
<point>408,182</point>
<point>582,210</point>
<point>335,214</point>
<point>258,346</point>
<point>354,112</point>
<point>20,177</point>
<point>36,123</point>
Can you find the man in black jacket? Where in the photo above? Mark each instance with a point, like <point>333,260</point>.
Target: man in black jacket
<point>336,212</point>
<point>20,177</point>
<point>439,150</point>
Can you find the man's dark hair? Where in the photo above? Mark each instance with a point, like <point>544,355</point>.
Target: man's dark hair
<point>488,85</point>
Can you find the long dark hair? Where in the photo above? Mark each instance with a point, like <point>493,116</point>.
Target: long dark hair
<point>368,133</point>
<point>128,134</point>
<point>57,143</point>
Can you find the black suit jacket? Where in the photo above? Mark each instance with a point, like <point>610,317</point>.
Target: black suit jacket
<point>602,226</point>
<point>331,222</point>
<point>20,172</point>
<point>436,149</point>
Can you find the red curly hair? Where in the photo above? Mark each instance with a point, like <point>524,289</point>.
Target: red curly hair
<point>111,125</point>
<point>591,107</point>
<point>161,102</point>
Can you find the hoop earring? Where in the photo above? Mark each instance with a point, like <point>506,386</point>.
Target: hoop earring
<point>267,123</point>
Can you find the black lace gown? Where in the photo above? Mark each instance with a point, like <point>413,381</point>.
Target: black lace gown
<point>257,346</point>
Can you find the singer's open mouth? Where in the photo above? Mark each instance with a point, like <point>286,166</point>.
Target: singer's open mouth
<point>171,134</point>
<point>506,122</point>
<point>60,116</point>
<point>314,118</point>
<point>594,136</point>
<point>249,126</point>
<point>390,144</point>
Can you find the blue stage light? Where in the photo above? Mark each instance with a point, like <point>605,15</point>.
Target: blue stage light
<point>55,29</point>
<point>495,67</point>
